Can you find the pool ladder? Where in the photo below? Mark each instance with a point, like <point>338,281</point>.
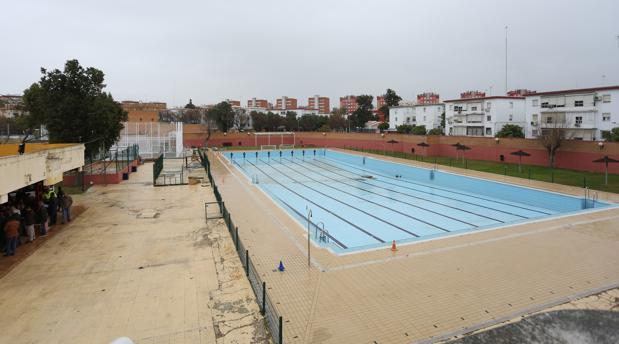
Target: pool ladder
<point>590,198</point>
<point>321,233</point>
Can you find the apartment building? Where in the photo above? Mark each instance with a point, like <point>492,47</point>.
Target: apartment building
<point>428,98</point>
<point>285,103</point>
<point>320,103</point>
<point>584,114</point>
<point>349,103</point>
<point>258,103</point>
<point>11,106</point>
<point>428,115</point>
<point>476,114</point>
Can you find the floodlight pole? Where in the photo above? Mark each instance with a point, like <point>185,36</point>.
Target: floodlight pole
<point>309,216</point>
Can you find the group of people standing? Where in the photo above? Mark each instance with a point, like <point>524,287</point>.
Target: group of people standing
<point>24,214</point>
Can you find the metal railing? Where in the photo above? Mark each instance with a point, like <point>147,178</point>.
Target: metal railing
<point>267,307</point>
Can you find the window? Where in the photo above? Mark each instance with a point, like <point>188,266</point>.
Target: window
<point>535,102</point>
<point>511,105</point>
<point>475,131</point>
<point>414,118</point>
<point>549,120</point>
<point>578,121</point>
<point>545,105</point>
<point>451,107</point>
<point>578,103</point>
<point>535,132</point>
<point>488,118</point>
<point>606,98</point>
<point>457,108</point>
<point>396,119</point>
<point>473,108</point>
<point>488,131</point>
<point>408,119</point>
<point>424,109</point>
<point>424,118</point>
<point>534,117</point>
<point>488,105</point>
<point>511,118</point>
<point>605,117</point>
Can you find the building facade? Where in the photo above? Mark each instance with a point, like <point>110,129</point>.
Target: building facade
<point>428,98</point>
<point>12,106</point>
<point>257,103</point>
<point>474,114</point>
<point>285,103</point>
<point>320,103</point>
<point>142,112</point>
<point>349,103</point>
<point>584,114</point>
<point>380,101</point>
<point>428,115</point>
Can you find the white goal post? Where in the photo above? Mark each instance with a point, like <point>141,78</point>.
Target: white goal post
<point>274,137</point>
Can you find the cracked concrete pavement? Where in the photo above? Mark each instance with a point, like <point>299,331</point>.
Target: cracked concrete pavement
<point>139,262</point>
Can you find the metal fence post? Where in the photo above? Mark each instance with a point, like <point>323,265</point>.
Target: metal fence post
<point>281,330</point>
<point>236,237</point>
<point>264,292</point>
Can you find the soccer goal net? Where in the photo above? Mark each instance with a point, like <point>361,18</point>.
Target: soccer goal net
<point>286,146</point>
<point>268,147</point>
<point>274,138</point>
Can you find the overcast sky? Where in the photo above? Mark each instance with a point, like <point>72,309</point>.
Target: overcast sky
<point>212,50</point>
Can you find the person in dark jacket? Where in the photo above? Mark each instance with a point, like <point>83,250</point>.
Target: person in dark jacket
<point>42,219</point>
<point>11,230</point>
<point>65,202</point>
<point>29,221</point>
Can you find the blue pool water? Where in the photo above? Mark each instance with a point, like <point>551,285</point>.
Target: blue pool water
<point>362,202</point>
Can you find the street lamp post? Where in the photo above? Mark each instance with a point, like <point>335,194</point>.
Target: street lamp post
<point>309,216</point>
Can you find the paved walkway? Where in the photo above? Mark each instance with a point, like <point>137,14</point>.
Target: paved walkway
<point>424,291</point>
<point>139,262</point>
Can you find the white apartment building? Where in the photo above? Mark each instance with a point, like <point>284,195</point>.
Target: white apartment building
<point>416,114</point>
<point>299,111</point>
<point>483,116</point>
<point>585,114</point>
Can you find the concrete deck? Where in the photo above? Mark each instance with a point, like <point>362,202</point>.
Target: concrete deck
<point>139,262</point>
<point>426,291</point>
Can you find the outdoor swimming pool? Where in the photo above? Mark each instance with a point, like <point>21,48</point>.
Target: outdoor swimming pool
<point>359,202</point>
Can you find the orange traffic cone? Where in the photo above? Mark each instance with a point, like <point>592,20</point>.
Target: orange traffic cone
<point>393,247</point>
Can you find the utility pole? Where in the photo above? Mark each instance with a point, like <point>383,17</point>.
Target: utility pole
<point>505,59</point>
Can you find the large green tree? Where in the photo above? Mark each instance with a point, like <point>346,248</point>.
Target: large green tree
<point>223,115</point>
<point>336,121</point>
<point>73,107</point>
<point>391,99</point>
<point>364,111</point>
<point>511,130</point>
<point>290,122</point>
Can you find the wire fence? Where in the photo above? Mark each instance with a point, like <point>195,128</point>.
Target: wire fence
<point>274,321</point>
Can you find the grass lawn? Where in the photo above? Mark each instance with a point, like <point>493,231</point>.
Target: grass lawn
<point>559,176</point>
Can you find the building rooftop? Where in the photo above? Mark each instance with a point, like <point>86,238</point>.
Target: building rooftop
<point>575,90</point>
<point>10,149</point>
<point>481,98</point>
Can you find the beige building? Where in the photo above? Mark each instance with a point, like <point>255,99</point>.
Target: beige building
<point>41,162</point>
<point>142,112</point>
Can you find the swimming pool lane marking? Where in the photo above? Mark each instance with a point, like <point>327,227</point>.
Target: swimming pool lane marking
<point>375,193</point>
<point>339,243</point>
<point>346,204</point>
<point>281,227</point>
<point>319,206</point>
<point>437,195</point>
<point>448,190</point>
<point>408,195</point>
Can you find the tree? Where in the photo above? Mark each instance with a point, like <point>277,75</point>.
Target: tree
<point>404,128</point>
<point>613,135</point>
<point>290,122</point>
<point>241,118</point>
<point>191,115</point>
<point>312,122</point>
<point>391,99</point>
<point>419,130</point>
<point>274,121</point>
<point>443,122</point>
<point>73,107</point>
<point>324,128</point>
<point>551,139</point>
<point>336,121</point>
<point>259,120</point>
<point>383,126</point>
<point>223,115</point>
<point>435,131</point>
<point>511,130</point>
<point>364,111</point>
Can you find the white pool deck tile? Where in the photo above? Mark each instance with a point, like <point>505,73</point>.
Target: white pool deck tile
<point>424,290</point>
